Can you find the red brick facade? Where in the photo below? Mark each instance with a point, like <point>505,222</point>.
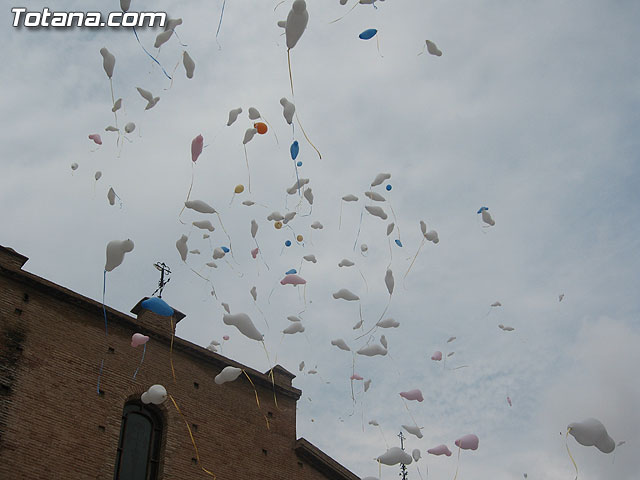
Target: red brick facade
<point>55,425</point>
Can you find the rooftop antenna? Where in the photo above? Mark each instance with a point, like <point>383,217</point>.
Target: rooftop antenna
<point>403,467</point>
<point>162,268</point>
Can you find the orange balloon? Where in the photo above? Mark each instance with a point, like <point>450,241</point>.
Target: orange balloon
<point>261,127</point>
<point>278,225</point>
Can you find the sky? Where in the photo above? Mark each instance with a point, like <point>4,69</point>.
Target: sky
<point>531,111</point>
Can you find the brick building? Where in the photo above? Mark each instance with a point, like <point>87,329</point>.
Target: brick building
<point>55,424</point>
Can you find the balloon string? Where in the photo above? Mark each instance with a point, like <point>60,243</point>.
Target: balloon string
<point>395,219</point>
<point>290,75</point>
<point>359,227</point>
<point>225,232</point>
<point>414,258</point>
<point>104,311</point>
<point>366,285</point>
<point>405,406</point>
<point>173,372</point>
<point>141,360</point>
<point>338,19</point>
<point>188,194</point>
<point>307,137</point>
<point>378,45</point>
<point>569,452</point>
<point>206,280</point>
<point>257,399</point>
<point>113,102</point>
<point>340,218</point>
<point>390,253</point>
<point>383,437</point>
<point>273,380</point>
<point>151,56</point>
<point>261,256</point>
<point>263,315</point>
<point>271,130</point>
<point>193,441</point>
<point>419,472</point>
<point>220,22</point>
<point>457,465</point>
<point>246,159</point>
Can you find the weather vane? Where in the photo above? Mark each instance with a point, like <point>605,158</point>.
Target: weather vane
<point>163,269</point>
<point>403,467</point>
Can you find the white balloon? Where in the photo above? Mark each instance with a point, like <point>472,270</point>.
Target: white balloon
<point>156,394</point>
<point>74,166</point>
<point>317,225</point>
<point>591,432</point>
<point>98,175</point>
<point>288,110</point>
<point>413,430</point>
<point>111,128</point>
<point>288,217</point>
<point>432,49</point>
<point>293,318</point>
<point>277,216</point>
<point>204,225</point>
<point>254,293</point>
<point>301,366</point>
<point>295,327</point>
<point>129,127</point>
<point>189,64</point>
<point>416,454</point>
<point>345,294</point>
<point>394,456</point>
<point>310,258</point>
<point>431,236</point>
<point>254,228</point>
<point>364,248</point>
<point>308,194</point>
<point>372,350</point>
<point>282,23</point>
<point>390,228</point>
<point>125,5</point>
<point>296,22</point>
<point>211,264</point>
<point>383,341</point>
<point>350,198</point>
<point>486,218</point>
<point>228,374</point>
<point>381,177</point>
<point>367,384</point>
<point>388,280</point>
<point>243,322</point>
<point>181,245</point>
<point>148,96</point>
<point>162,38</point>
<point>249,134</point>
<point>108,61</point>
<point>199,206</point>
<point>376,211</point>
<point>376,197</point>
<point>111,196</point>
<point>116,106</point>
<point>451,339</point>
<point>254,114</point>
<point>172,23</point>
<point>248,203</point>
<point>423,227</point>
<point>233,115</point>
<point>374,423</point>
<point>218,253</point>
<point>226,307</point>
<point>195,251</point>
<point>345,262</point>
<point>115,253</point>
<point>297,186</point>
<point>388,323</point>
<point>340,343</point>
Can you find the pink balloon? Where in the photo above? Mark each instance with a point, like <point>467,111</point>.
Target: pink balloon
<point>196,147</point>
<point>437,356</point>
<point>412,395</point>
<point>254,252</point>
<point>96,138</point>
<point>440,450</point>
<point>355,376</point>
<point>138,339</point>
<point>509,401</point>
<point>226,337</point>
<point>292,280</point>
<point>468,442</point>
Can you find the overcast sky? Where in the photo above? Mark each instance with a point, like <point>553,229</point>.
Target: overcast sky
<point>532,111</point>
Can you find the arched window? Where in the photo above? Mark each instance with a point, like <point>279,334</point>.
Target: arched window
<point>138,456</point>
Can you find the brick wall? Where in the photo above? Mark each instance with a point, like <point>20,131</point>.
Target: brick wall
<point>54,424</point>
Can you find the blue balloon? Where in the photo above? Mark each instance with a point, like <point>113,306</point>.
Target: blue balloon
<point>157,306</point>
<point>398,242</point>
<point>482,208</point>
<point>368,34</point>
<point>388,187</point>
<point>293,271</point>
<point>225,249</point>
<point>287,243</point>
<point>295,149</point>
<point>299,164</point>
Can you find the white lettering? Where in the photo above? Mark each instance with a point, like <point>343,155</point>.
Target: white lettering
<point>59,19</point>
<point>17,12</point>
<point>92,19</point>
<point>32,19</point>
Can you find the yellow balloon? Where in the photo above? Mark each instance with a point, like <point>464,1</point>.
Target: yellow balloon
<point>278,225</point>
<point>239,189</point>
<point>299,238</point>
